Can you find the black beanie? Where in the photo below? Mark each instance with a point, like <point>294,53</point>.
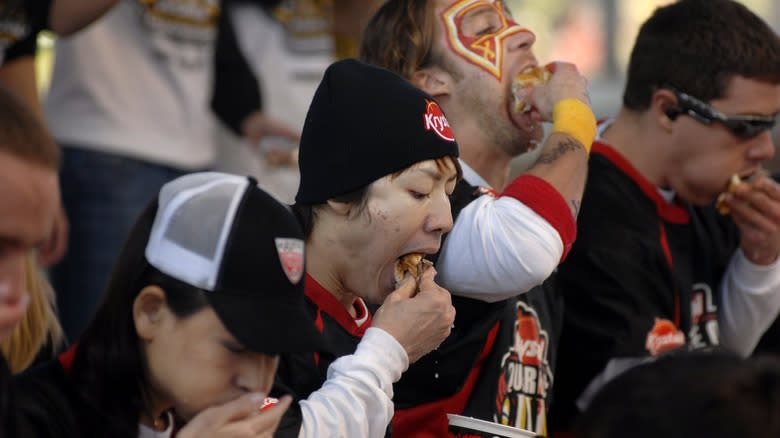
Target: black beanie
<point>366,122</point>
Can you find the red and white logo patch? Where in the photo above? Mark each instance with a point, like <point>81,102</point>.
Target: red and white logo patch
<point>435,121</point>
<point>664,336</point>
<point>291,256</point>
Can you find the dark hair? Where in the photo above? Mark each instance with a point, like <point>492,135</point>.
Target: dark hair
<point>708,394</point>
<point>307,214</point>
<point>108,368</point>
<point>23,135</point>
<point>698,46</point>
<point>399,37</point>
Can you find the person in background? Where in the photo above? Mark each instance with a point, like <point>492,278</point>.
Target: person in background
<point>714,395</point>
<point>21,21</point>
<point>375,186</point>
<point>38,336</point>
<point>29,201</point>
<point>207,292</point>
<point>281,51</point>
<point>498,364</point>
<point>656,266</point>
<point>129,105</point>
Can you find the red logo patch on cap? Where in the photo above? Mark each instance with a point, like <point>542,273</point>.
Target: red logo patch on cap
<point>291,256</point>
<point>435,121</point>
<point>664,336</point>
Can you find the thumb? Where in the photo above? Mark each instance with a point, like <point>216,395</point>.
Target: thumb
<point>407,289</point>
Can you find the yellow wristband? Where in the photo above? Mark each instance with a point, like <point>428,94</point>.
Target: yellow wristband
<point>574,118</point>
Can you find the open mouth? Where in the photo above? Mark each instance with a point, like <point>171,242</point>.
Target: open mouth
<point>413,263</point>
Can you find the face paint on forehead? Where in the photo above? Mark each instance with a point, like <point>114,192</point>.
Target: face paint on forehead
<point>476,30</point>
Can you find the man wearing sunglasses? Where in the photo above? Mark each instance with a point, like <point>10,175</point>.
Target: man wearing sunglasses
<point>655,267</point>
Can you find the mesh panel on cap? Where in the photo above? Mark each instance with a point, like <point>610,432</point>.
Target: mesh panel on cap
<point>193,223</point>
<point>196,225</point>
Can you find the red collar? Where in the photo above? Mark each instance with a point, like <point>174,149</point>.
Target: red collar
<point>669,212</point>
<point>327,302</point>
<point>66,358</point>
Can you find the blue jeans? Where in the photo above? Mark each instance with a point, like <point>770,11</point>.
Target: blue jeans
<point>103,194</point>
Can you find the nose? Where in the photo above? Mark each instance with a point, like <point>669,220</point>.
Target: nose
<point>14,297</point>
<point>763,148</point>
<point>257,373</point>
<point>440,217</point>
<point>524,39</point>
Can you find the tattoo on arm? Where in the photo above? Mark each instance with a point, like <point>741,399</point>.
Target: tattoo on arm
<point>563,147</point>
<point>575,204</point>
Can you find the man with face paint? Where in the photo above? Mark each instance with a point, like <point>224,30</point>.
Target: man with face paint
<point>497,364</point>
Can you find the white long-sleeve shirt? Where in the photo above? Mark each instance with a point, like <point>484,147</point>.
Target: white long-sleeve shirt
<point>503,245</point>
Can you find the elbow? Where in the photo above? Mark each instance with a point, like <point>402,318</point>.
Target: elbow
<point>62,23</point>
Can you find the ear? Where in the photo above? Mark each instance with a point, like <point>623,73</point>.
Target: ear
<point>432,80</point>
<point>340,208</point>
<point>149,309</point>
<point>664,107</point>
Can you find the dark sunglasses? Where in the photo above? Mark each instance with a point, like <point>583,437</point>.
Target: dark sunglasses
<point>740,126</point>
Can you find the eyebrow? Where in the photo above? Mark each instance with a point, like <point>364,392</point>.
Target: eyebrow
<point>479,10</point>
<point>437,175</point>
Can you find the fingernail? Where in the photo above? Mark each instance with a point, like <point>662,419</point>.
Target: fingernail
<point>258,399</point>
<point>5,290</point>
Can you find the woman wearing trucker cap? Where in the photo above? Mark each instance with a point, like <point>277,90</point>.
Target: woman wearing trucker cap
<point>207,292</point>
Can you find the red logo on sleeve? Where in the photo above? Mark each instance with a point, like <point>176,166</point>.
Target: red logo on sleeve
<point>435,121</point>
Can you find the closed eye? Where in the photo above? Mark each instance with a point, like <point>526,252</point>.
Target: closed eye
<point>487,31</point>
<point>234,347</point>
<point>418,195</point>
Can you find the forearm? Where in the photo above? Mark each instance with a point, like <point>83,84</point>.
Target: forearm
<point>18,75</point>
<point>356,398</point>
<point>563,163</point>
<point>69,16</point>
<point>750,302</point>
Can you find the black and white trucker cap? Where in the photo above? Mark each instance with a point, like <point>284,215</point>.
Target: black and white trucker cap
<point>224,235</point>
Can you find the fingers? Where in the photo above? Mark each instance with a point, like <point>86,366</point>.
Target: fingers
<point>241,417</point>
<point>755,208</point>
<point>565,83</point>
<point>237,409</point>
<point>280,129</point>
<point>279,157</point>
<point>265,423</point>
<point>757,205</point>
<point>407,289</point>
<point>258,125</point>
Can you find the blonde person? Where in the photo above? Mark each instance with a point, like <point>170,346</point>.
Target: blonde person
<point>39,334</point>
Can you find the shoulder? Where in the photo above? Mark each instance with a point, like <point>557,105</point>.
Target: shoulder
<point>41,403</point>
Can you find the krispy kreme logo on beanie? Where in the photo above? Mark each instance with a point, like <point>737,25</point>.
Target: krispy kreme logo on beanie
<point>435,121</point>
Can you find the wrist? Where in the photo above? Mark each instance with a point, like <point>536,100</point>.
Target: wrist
<point>575,119</point>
